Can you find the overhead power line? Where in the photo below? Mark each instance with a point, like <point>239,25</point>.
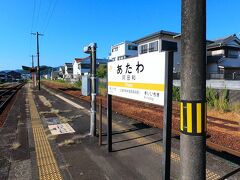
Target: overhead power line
<point>50,16</point>
<point>33,15</point>
<point>38,13</point>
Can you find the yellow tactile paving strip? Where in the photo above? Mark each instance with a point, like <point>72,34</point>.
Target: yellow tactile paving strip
<point>47,165</point>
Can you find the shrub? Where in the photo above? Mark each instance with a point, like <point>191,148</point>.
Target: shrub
<point>211,97</point>
<point>176,93</point>
<point>78,84</point>
<point>102,91</point>
<point>60,81</point>
<point>101,71</point>
<point>223,101</point>
<point>235,107</point>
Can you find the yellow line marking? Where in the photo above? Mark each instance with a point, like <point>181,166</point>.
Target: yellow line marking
<point>47,165</point>
<point>199,117</point>
<point>156,87</point>
<point>181,118</point>
<point>189,117</point>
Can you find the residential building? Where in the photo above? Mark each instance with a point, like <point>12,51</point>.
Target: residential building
<point>3,76</point>
<point>81,66</point>
<point>123,50</point>
<point>68,67</point>
<point>150,46</point>
<point>78,69</point>
<point>223,58</point>
<point>54,75</point>
<point>13,75</point>
<point>61,72</point>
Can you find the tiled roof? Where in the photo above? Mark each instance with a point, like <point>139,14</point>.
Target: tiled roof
<point>99,61</point>
<point>229,62</point>
<point>156,34</point>
<point>68,64</point>
<point>224,41</point>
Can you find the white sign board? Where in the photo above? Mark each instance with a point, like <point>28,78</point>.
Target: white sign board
<point>57,129</point>
<point>138,78</point>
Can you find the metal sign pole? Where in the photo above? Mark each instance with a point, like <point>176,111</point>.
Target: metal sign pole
<point>91,49</point>
<point>100,123</point>
<point>109,117</point>
<point>167,127</point>
<point>93,88</point>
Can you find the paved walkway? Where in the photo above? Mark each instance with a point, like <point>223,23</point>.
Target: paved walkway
<point>39,154</point>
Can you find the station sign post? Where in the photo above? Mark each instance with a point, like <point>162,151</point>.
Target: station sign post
<point>148,80</point>
<point>170,47</point>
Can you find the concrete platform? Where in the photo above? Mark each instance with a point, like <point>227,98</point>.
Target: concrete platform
<point>136,152</point>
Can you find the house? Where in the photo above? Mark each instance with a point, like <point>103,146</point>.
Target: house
<point>123,50</point>
<point>148,47</point>
<point>223,58</point>
<point>81,66</point>
<point>61,72</point>
<point>78,70</point>
<point>3,76</point>
<point>46,76</point>
<point>13,75</point>
<point>54,75</point>
<point>68,67</point>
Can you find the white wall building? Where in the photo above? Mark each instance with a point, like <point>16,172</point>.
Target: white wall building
<point>150,45</point>
<point>61,72</point>
<point>76,68</point>
<point>80,67</point>
<point>123,50</point>
<point>68,70</point>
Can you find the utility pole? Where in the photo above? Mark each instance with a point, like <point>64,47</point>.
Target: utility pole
<point>32,70</point>
<point>38,66</point>
<point>193,91</point>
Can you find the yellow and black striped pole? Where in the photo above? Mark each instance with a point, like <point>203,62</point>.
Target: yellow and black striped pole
<point>193,91</point>
<point>193,117</point>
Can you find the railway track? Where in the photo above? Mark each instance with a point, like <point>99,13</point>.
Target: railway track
<point>158,111</point>
<point>6,94</point>
<point>218,122</point>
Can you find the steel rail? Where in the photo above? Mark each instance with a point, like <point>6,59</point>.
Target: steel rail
<point>175,132</point>
<point>7,95</point>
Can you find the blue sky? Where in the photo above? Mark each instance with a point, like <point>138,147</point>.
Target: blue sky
<point>76,23</point>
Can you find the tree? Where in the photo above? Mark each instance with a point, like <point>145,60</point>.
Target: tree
<point>102,71</point>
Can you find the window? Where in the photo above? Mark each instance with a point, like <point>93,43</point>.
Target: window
<point>233,53</point>
<point>132,47</point>
<point>114,49</point>
<point>120,57</point>
<point>143,49</point>
<point>153,46</point>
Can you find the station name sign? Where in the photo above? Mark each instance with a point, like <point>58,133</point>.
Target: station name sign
<point>139,78</point>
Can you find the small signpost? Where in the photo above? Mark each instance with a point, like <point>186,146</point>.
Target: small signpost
<point>148,80</point>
